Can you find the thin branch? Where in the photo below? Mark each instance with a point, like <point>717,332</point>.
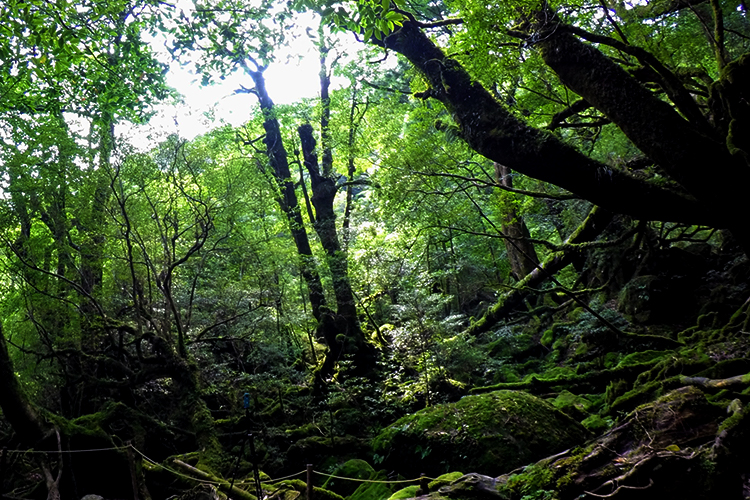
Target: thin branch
<point>198,337</point>
<point>596,123</point>
<point>613,22</point>
<point>435,24</point>
<point>387,89</point>
<point>482,183</point>
<point>718,37</point>
<point>621,487</point>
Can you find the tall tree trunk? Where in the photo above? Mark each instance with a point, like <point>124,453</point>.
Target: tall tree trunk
<point>277,157</point>
<point>25,421</point>
<point>355,118</point>
<point>17,409</point>
<point>324,192</point>
<point>521,252</point>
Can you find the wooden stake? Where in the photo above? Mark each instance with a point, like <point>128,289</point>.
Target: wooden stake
<point>309,482</point>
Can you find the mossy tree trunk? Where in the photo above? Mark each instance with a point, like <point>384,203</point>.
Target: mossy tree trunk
<point>521,252</point>
<point>30,428</point>
<point>590,229</point>
<point>17,409</point>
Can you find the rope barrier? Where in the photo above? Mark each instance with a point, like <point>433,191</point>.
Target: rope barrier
<point>269,481</point>
<point>374,480</point>
<point>176,473</point>
<point>24,452</point>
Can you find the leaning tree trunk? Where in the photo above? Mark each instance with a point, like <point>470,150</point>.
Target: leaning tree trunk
<point>590,228</point>
<point>25,421</point>
<point>491,130</point>
<point>17,409</point>
<point>682,146</point>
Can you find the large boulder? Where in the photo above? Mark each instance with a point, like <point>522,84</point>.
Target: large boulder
<point>490,433</point>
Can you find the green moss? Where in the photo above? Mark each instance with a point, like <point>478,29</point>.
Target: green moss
<point>355,469</point>
<point>641,357</point>
<point>596,424</point>
<point>444,480</point>
<point>324,494</point>
<point>581,349</point>
<point>726,368</point>
<point>643,393</point>
<point>611,359</point>
<point>556,372</point>
<point>734,419</point>
<point>570,465</point>
<point>303,431</point>
<point>575,314</point>
<point>577,407</point>
<point>408,492</point>
<point>614,390</point>
<point>547,337</point>
<point>373,491</point>
<point>488,433</point>
<point>560,344</point>
<point>506,373</point>
<point>300,486</point>
<point>534,483</point>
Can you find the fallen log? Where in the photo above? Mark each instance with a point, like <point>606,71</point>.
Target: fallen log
<point>221,484</point>
<point>590,228</point>
<point>739,380</point>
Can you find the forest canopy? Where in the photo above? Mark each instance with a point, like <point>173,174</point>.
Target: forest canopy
<point>546,197</point>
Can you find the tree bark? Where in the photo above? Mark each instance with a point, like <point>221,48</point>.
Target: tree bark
<point>682,149</point>
<point>17,409</point>
<point>521,252</point>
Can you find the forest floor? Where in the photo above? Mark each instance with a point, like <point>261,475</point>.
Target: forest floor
<point>637,388</point>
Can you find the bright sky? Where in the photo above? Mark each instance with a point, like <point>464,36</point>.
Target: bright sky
<point>204,108</point>
<point>292,77</point>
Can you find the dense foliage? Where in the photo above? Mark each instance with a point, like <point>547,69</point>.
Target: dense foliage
<point>546,197</point>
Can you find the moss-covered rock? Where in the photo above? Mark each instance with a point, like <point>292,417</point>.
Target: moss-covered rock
<point>596,424</point>
<point>291,489</point>
<point>490,433</point>
<point>408,492</point>
<point>354,469</point>
<point>573,405</point>
<point>472,486</point>
<point>376,489</point>
<point>657,451</point>
<point>444,480</point>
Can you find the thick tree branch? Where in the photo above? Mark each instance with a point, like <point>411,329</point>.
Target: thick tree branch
<point>498,135</point>
<point>434,24</point>
<point>676,145</point>
<point>670,82</point>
